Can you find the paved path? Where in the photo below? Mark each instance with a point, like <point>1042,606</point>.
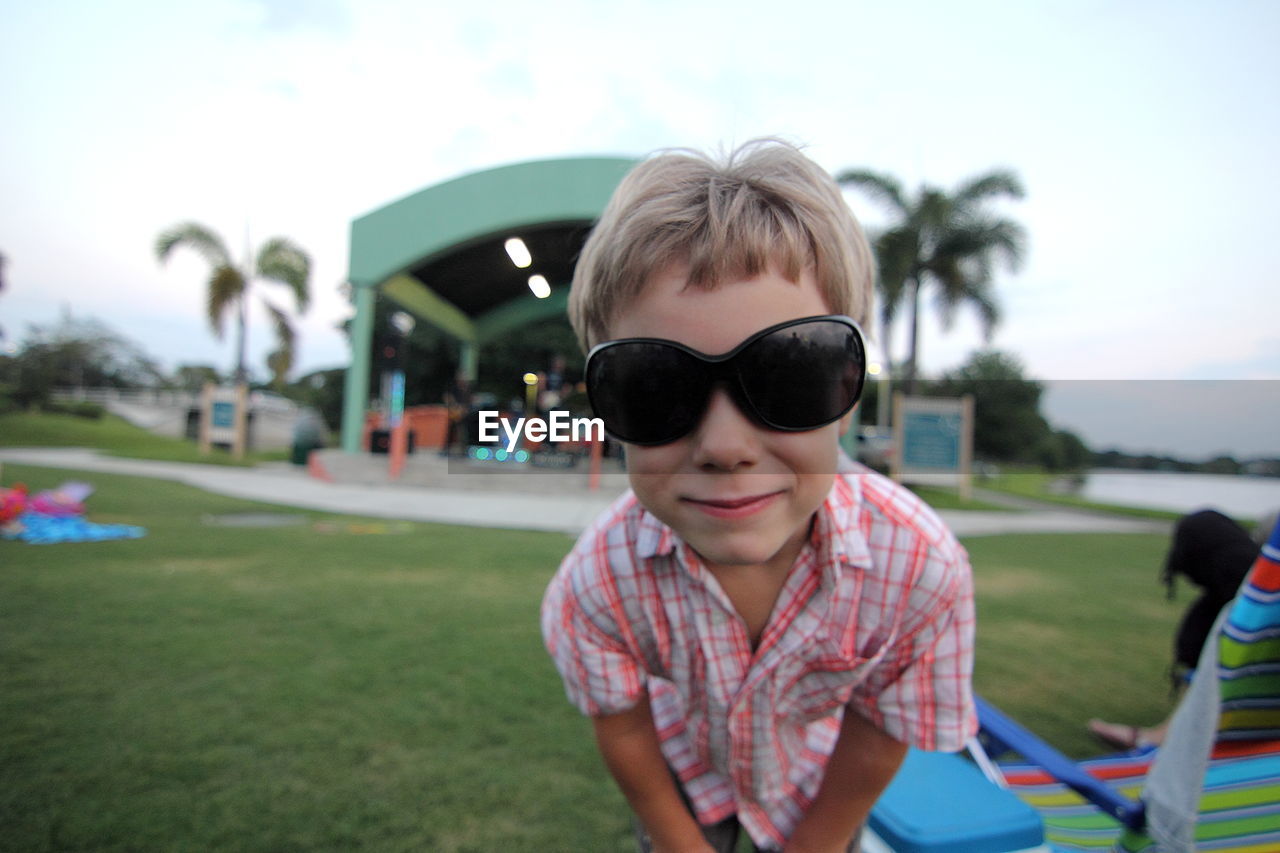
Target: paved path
<point>289,485</point>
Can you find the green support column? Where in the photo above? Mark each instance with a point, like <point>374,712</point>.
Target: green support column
<point>467,360</point>
<point>356,390</point>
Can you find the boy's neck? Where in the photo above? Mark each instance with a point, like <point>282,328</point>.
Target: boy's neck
<point>753,589</point>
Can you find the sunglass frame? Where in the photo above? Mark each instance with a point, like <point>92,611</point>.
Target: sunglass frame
<point>721,368</point>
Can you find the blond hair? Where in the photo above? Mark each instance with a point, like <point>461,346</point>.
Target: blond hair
<point>765,204</point>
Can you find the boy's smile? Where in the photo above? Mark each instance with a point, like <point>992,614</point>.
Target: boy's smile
<point>739,493</point>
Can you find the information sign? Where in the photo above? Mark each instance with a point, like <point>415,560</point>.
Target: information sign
<point>934,437</point>
<point>223,416</point>
<point>931,440</point>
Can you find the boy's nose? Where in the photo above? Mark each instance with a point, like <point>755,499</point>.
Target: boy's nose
<point>726,439</point>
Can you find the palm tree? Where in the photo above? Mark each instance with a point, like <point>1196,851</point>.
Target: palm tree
<point>279,260</point>
<point>948,242</point>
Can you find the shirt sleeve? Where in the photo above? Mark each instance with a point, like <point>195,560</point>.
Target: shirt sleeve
<point>922,693</point>
<point>579,627</point>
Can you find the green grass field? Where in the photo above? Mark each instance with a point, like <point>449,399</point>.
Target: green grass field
<point>940,498</point>
<point>112,435</point>
<point>347,683</point>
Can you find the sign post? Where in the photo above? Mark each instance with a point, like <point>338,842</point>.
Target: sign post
<point>934,440</point>
<point>224,418</point>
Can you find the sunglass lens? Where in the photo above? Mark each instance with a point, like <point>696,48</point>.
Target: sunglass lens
<point>646,393</point>
<point>803,376</point>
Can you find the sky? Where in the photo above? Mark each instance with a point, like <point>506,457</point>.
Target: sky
<point>1145,133</point>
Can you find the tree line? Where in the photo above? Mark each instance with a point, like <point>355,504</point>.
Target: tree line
<point>1009,427</point>
<point>1113,458</point>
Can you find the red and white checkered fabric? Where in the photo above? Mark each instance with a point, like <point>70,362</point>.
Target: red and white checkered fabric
<point>876,614</point>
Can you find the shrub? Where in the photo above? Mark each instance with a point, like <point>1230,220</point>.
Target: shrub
<point>8,399</point>
<point>80,409</point>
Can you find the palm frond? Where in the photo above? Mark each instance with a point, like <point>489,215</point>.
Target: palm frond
<point>281,260</point>
<point>194,236</point>
<point>994,183</point>
<point>947,275</point>
<point>279,363</point>
<point>988,313</point>
<point>1007,239</point>
<point>932,216</point>
<point>990,237</point>
<point>285,337</point>
<point>877,185</point>
<point>226,289</point>
<point>890,303</point>
<point>896,252</point>
<point>964,281</point>
<point>980,298</point>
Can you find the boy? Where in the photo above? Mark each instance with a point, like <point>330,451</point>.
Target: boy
<point>760,627</point>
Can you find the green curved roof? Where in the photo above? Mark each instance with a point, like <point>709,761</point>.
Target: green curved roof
<point>444,217</point>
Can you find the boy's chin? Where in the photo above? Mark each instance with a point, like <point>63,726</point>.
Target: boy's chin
<point>741,551</point>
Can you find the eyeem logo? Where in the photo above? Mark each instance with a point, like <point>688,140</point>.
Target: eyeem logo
<point>560,427</point>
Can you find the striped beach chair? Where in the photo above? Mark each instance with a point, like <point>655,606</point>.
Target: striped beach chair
<point>1214,785</point>
<point>1239,811</point>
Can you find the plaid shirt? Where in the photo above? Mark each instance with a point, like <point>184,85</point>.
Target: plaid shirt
<point>876,614</point>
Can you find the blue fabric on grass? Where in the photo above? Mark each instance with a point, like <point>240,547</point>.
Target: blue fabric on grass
<point>40,529</point>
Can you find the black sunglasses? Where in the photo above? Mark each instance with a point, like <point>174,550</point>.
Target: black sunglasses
<point>793,377</point>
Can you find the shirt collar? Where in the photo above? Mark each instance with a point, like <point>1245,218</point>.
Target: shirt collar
<point>653,538</point>
<point>837,529</point>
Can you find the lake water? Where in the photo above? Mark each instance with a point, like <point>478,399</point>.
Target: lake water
<point>1241,497</point>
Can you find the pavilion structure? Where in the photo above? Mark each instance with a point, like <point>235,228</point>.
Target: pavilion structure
<point>476,256</point>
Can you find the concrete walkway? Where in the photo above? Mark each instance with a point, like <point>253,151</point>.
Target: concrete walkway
<point>477,503</point>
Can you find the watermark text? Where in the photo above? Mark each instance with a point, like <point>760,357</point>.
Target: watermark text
<point>559,426</point>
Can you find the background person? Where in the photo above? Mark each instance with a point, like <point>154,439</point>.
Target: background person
<point>1215,553</point>
<point>458,401</point>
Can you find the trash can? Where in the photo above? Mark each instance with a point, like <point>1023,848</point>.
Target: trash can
<point>308,435</point>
